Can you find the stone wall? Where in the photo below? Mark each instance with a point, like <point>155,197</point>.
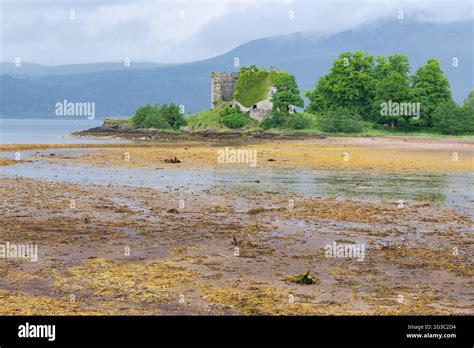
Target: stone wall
<point>263,107</point>
<point>222,86</point>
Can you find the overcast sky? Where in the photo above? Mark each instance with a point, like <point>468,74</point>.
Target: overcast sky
<point>69,32</point>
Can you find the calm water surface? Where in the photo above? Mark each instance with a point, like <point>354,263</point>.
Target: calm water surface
<point>47,131</point>
<point>453,190</point>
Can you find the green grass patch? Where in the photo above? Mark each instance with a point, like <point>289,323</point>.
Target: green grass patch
<point>210,119</point>
<point>117,122</point>
<point>206,119</point>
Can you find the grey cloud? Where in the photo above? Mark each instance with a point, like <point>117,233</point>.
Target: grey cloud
<point>151,31</point>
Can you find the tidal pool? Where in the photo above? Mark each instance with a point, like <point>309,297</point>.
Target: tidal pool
<point>453,190</point>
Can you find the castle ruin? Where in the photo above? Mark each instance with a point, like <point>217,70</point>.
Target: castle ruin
<point>222,91</point>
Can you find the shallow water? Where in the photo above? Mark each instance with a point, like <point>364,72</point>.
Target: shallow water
<point>454,190</point>
<point>47,131</point>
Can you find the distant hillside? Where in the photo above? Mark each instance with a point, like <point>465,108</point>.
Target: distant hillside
<point>120,92</point>
<point>36,70</point>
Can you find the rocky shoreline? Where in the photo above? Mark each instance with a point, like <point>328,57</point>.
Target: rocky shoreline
<point>125,132</point>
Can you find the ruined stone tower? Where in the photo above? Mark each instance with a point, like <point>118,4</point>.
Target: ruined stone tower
<point>222,86</point>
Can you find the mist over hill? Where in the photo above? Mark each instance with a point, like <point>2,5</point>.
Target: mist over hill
<point>33,90</point>
<point>39,70</point>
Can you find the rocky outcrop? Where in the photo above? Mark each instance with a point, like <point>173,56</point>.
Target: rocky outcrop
<point>159,135</point>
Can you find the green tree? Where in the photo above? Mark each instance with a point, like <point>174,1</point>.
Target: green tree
<point>468,119</point>
<point>431,88</point>
<point>350,84</point>
<point>468,112</point>
<point>287,94</point>
<point>392,86</point>
<point>384,65</point>
<point>319,99</point>
<point>469,102</point>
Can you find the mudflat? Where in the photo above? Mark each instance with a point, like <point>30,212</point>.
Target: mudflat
<point>230,238</point>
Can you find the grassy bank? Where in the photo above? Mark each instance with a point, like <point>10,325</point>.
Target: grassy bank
<point>210,120</point>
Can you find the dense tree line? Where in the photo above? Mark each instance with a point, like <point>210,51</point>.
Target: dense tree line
<point>381,90</point>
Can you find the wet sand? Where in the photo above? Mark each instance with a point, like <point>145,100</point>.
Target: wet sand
<point>172,250</point>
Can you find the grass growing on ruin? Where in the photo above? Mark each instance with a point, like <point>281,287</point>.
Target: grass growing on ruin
<point>253,85</point>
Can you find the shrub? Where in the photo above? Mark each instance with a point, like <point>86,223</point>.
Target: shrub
<point>233,118</point>
<point>282,120</point>
<point>266,123</point>
<point>275,120</point>
<point>155,120</point>
<point>172,115</point>
<point>156,116</point>
<point>341,120</point>
<point>299,121</point>
<point>139,118</point>
<point>449,118</point>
